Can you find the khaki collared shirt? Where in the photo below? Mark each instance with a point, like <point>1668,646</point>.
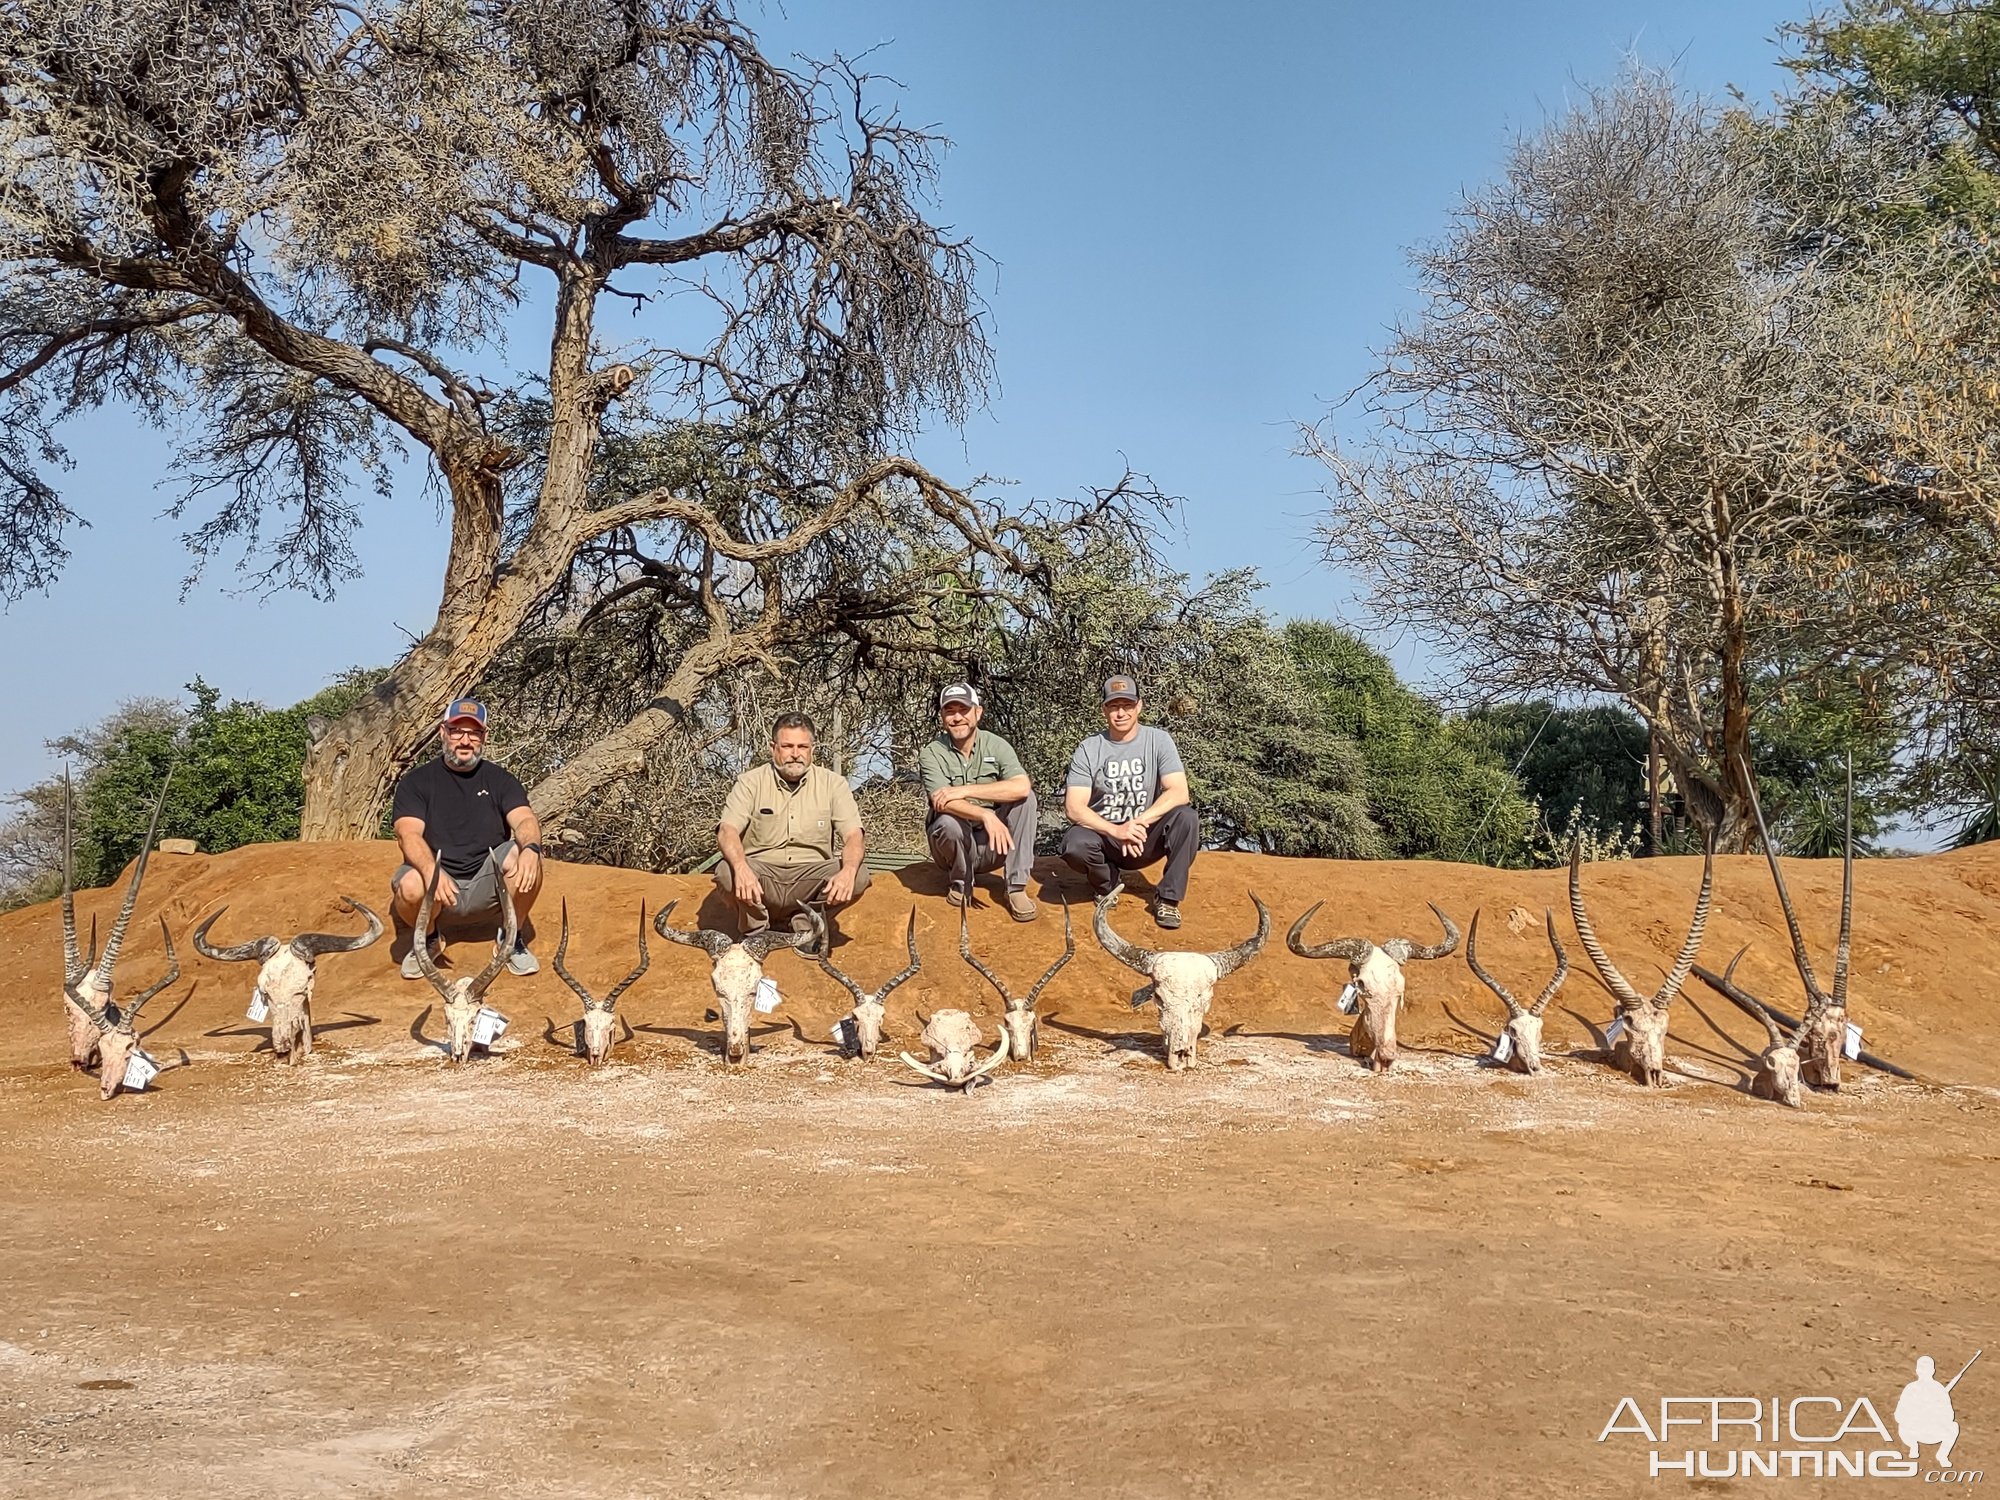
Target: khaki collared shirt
<point>786,825</point>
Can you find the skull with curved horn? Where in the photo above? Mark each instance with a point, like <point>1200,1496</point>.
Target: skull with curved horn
<point>600,1016</point>
<point>1376,973</point>
<point>870,1008</point>
<point>462,997</point>
<point>1524,1023</point>
<point>952,1039</point>
<point>1777,1074</point>
<point>735,970</point>
<point>1182,984</point>
<point>1017,1020</point>
<point>102,1032</point>
<point>286,978</point>
<point>1641,1048</point>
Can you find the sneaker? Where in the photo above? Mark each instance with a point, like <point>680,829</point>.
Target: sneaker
<point>955,894</point>
<point>410,969</point>
<point>521,961</point>
<point>1021,906</point>
<point>1166,914</point>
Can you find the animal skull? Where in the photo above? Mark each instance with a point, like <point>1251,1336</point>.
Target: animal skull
<point>736,969</point>
<point>1524,1024</point>
<point>462,997</point>
<point>1641,1048</point>
<point>1376,972</point>
<point>600,1016</point>
<point>286,978</point>
<point>1182,984</point>
<point>1017,1020</point>
<point>951,1037</point>
<point>870,1007</point>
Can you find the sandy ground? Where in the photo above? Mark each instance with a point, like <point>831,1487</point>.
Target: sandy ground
<point>378,1275</point>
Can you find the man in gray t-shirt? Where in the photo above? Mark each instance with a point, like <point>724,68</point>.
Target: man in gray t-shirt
<point>1127,800</point>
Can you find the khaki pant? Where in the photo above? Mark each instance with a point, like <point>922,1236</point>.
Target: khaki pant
<point>787,889</point>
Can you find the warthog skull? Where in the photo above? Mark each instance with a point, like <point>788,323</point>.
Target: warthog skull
<point>1524,1024</point>
<point>952,1039</point>
<point>870,1008</point>
<point>286,978</point>
<point>462,997</point>
<point>1641,1049</point>
<point>600,1017</point>
<point>1376,972</point>
<point>1181,984</point>
<point>1017,1020</point>
<point>736,969</point>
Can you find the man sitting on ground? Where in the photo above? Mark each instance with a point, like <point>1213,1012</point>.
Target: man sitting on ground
<point>780,826</point>
<point>465,813</point>
<point>1127,798</point>
<point>983,806</point>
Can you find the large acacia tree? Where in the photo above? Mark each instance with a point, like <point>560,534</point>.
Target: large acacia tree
<point>306,235</point>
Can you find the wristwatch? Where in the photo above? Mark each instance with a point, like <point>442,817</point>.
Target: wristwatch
<point>537,848</point>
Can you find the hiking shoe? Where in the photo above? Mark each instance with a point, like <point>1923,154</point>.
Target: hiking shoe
<point>955,894</point>
<point>410,969</point>
<point>1166,914</point>
<point>1021,906</point>
<point>521,961</point>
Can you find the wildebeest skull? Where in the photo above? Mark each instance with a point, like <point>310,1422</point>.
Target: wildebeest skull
<point>600,1016</point>
<point>735,970</point>
<point>952,1039</point>
<point>1524,1023</point>
<point>1182,984</point>
<point>864,1022</point>
<point>462,997</point>
<point>1376,972</point>
<point>286,978</point>
<point>1017,1020</point>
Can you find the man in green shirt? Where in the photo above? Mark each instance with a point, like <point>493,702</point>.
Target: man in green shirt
<point>982,804</point>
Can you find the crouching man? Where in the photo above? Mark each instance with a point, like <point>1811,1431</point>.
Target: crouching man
<point>1127,798</point>
<point>467,814</point>
<point>781,826</point>
<point>982,804</point>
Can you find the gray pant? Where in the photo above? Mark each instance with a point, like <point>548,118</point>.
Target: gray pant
<point>961,849</point>
<point>787,888</point>
<point>478,894</point>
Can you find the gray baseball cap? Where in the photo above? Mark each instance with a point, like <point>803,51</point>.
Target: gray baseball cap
<point>959,692</point>
<point>1120,687</point>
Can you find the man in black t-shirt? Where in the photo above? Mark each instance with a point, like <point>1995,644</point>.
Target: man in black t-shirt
<point>468,815</point>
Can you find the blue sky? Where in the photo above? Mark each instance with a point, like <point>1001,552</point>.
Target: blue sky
<point>1197,221</point>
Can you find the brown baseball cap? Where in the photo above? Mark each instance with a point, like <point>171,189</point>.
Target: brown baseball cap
<point>1120,687</point>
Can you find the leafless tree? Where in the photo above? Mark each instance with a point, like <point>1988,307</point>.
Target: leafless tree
<point>1647,439</point>
<point>302,233</point>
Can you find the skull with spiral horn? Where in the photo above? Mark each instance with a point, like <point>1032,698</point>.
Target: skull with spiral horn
<point>289,970</point>
<point>1376,973</point>
<point>735,969</point>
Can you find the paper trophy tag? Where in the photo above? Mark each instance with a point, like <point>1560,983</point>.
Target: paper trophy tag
<point>260,1006</point>
<point>1614,1031</point>
<point>1349,998</point>
<point>767,996</point>
<point>843,1032</point>
<point>1850,1048</point>
<point>1504,1047</point>
<point>488,1026</point>
<point>140,1070</point>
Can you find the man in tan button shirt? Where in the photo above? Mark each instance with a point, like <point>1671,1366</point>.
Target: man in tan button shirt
<point>781,826</point>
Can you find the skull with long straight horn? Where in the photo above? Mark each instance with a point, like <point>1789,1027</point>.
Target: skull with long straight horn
<point>1181,984</point>
<point>600,1016</point>
<point>462,997</point>
<point>289,970</point>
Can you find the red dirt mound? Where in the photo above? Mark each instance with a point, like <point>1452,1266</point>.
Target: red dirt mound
<point>1927,945</point>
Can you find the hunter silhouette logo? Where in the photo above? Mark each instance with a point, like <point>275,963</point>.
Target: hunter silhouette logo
<point>1814,1436</point>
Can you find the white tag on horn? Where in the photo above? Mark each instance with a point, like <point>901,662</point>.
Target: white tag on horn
<point>843,1032</point>
<point>260,1005</point>
<point>1850,1047</point>
<point>1348,999</point>
<point>140,1070</point>
<point>1504,1047</point>
<point>767,996</point>
<point>1614,1031</point>
<point>488,1027</point>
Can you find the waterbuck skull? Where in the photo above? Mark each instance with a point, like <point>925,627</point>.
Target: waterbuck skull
<point>1376,972</point>
<point>1017,1020</point>
<point>869,1007</point>
<point>103,1032</point>
<point>736,969</point>
<point>1524,1024</point>
<point>600,1016</point>
<point>1182,984</point>
<point>1641,1048</point>
<point>462,997</point>
<point>952,1039</point>
<point>286,978</point>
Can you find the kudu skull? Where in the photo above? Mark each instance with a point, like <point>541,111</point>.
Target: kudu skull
<point>1641,1048</point>
<point>1376,972</point>
<point>864,1022</point>
<point>1017,1019</point>
<point>735,970</point>
<point>286,978</point>
<point>462,997</point>
<point>1524,1023</point>
<point>1182,984</point>
<point>600,1017</point>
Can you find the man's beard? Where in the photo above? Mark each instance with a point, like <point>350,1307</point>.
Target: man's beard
<point>469,763</point>
<point>793,772</point>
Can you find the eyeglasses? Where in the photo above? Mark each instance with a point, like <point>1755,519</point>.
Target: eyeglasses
<point>465,734</point>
